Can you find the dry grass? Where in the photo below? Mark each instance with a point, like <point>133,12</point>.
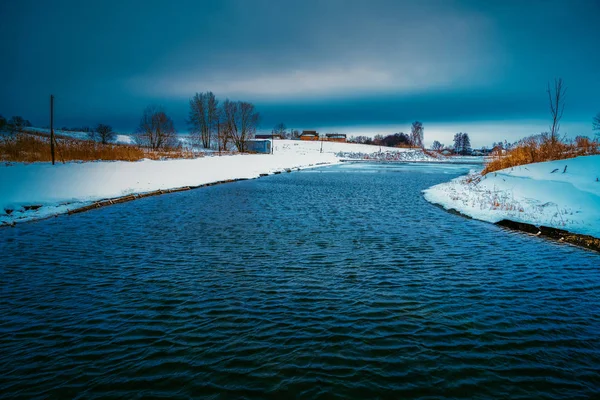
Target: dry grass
<point>540,148</point>
<point>24,147</point>
<point>433,154</point>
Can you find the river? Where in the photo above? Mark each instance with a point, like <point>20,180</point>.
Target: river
<point>337,282</point>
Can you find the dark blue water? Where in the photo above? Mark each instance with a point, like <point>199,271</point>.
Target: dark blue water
<point>341,282</point>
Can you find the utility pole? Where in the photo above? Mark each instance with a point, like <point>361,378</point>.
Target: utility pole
<point>219,136</point>
<point>52,127</point>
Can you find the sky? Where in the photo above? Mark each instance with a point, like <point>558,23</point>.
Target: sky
<point>349,66</point>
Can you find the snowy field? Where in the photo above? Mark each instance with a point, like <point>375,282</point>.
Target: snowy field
<point>538,194</point>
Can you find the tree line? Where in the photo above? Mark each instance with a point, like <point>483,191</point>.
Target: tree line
<point>213,124</point>
<point>282,130</point>
<point>462,142</point>
<point>219,125</point>
<point>401,139</point>
<point>14,124</point>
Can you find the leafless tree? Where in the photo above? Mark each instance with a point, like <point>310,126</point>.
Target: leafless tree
<point>103,134</point>
<point>466,144</point>
<point>230,116</point>
<point>462,144</point>
<point>280,129</point>
<point>556,97</point>
<point>240,122</point>
<point>212,107</point>
<point>223,137</point>
<point>437,146</point>
<point>156,130</point>
<point>204,118</point>
<point>198,120</point>
<point>249,122</point>
<point>377,139</point>
<point>416,134</point>
<point>17,123</point>
<point>596,123</point>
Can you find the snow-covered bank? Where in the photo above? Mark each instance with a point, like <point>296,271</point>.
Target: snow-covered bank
<point>64,187</point>
<point>539,194</point>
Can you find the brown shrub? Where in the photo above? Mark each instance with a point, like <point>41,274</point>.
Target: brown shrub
<point>433,154</point>
<point>540,148</point>
<point>25,147</point>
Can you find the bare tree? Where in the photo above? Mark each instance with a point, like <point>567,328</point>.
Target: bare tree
<point>230,116</point>
<point>416,134</point>
<point>249,122</point>
<point>294,133</point>
<point>280,129</point>
<point>204,118</point>
<point>223,136</point>
<point>596,123</point>
<point>198,120</point>
<point>458,143</point>
<point>466,144</point>
<point>240,122</point>
<point>156,130</point>
<point>377,139</point>
<point>212,115</point>
<point>17,123</point>
<point>556,97</point>
<point>103,133</point>
<point>437,146</point>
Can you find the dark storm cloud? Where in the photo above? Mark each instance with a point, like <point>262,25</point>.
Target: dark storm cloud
<point>312,63</point>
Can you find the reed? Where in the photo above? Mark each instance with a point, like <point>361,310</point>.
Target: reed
<point>25,147</point>
<point>540,148</point>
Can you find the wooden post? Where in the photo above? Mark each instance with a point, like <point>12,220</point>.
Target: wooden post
<point>52,127</point>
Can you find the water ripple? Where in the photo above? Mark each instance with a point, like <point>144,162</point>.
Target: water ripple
<point>333,284</point>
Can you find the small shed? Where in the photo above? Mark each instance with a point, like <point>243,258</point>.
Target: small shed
<point>309,135</point>
<point>261,146</point>
<point>336,137</point>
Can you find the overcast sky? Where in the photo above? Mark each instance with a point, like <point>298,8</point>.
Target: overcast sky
<point>358,67</point>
